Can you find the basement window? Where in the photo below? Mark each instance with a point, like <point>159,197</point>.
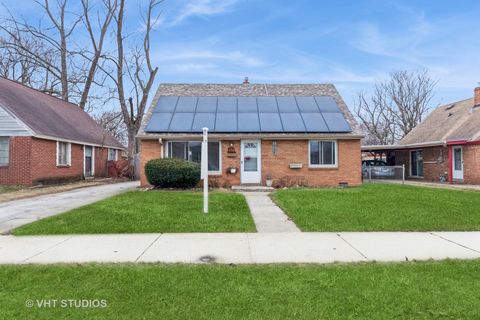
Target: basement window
<point>4,150</point>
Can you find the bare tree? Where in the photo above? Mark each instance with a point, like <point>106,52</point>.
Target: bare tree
<point>396,106</point>
<point>134,74</point>
<point>112,121</point>
<point>70,68</point>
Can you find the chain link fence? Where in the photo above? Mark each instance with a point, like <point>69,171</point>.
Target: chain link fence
<point>372,173</point>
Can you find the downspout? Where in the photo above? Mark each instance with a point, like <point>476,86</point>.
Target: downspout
<point>450,165</point>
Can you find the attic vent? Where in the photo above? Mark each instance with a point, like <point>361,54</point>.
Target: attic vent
<point>450,106</point>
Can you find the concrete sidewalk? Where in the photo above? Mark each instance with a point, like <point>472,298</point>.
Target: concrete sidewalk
<point>268,217</point>
<point>241,248</point>
<point>19,212</point>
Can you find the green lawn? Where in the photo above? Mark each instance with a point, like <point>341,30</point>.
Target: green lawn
<point>5,189</point>
<point>381,207</point>
<point>426,290</point>
<point>151,211</point>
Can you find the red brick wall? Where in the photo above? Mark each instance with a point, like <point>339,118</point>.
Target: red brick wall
<point>149,149</point>
<point>435,163</point>
<point>471,164</point>
<point>101,166</point>
<point>44,162</point>
<point>288,151</point>
<point>18,170</point>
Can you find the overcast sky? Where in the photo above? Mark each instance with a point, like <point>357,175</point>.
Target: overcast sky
<point>349,43</point>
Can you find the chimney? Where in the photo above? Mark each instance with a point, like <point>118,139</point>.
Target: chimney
<point>476,100</point>
<point>245,81</point>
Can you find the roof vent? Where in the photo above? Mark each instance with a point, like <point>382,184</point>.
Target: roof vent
<point>245,81</point>
<point>450,106</point>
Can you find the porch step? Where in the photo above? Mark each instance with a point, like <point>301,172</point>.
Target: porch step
<point>251,188</point>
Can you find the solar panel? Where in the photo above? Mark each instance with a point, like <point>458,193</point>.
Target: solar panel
<point>186,104</point>
<point>247,114</point>
<point>292,122</point>
<point>336,122</point>
<point>267,104</point>
<point>327,104</point>
<point>270,122</point>
<point>287,104</point>
<point>227,104</point>
<point>166,104</point>
<point>248,122</point>
<point>181,122</point>
<point>202,120</point>
<point>314,122</point>
<point>159,122</point>
<point>226,122</point>
<point>247,104</point>
<point>207,104</point>
<point>307,104</point>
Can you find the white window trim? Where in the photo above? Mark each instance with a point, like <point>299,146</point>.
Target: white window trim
<point>213,173</point>
<point>323,166</point>
<point>116,154</point>
<point>69,154</point>
<point>8,153</point>
<point>410,162</point>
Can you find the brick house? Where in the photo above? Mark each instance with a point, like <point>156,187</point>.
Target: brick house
<point>46,140</point>
<point>444,147</point>
<point>292,134</point>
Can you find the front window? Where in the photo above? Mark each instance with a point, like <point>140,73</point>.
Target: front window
<point>192,151</point>
<point>4,151</point>
<point>416,163</point>
<point>112,155</point>
<point>323,153</point>
<point>63,153</point>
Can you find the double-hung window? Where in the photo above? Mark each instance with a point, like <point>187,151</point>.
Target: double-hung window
<point>192,151</point>
<point>323,153</point>
<point>63,153</point>
<point>416,163</point>
<point>4,151</point>
<point>112,154</point>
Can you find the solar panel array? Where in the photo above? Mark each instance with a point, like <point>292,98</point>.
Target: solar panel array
<point>270,114</point>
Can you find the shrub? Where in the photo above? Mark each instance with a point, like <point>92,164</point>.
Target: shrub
<point>172,173</point>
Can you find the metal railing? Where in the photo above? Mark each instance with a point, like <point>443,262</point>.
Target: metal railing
<point>371,173</point>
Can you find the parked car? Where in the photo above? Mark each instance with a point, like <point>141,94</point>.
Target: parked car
<point>378,168</point>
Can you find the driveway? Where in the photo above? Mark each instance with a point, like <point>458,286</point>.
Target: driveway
<point>19,212</point>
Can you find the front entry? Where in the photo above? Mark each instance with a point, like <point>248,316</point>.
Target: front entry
<point>250,162</point>
<point>88,169</point>
<point>457,172</point>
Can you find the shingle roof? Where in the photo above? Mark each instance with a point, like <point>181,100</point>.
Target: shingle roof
<point>52,117</point>
<point>259,91</point>
<point>452,122</point>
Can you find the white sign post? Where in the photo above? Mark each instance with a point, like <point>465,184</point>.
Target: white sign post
<point>204,169</point>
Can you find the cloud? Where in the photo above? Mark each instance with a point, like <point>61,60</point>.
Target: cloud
<point>203,8</point>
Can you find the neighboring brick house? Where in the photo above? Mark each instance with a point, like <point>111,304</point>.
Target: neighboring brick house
<point>46,140</point>
<point>294,134</point>
<point>444,147</point>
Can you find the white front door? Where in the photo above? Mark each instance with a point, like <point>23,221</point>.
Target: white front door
<point>457,163</point>
<point>250,161</point>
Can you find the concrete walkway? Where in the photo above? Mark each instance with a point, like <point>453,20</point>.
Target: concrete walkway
<point>19,212</point>
<point>241,248</point>
<point>268,217</point>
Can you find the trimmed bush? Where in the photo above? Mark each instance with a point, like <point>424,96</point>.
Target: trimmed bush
<point>172,173</point>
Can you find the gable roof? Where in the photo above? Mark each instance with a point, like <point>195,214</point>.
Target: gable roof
<point>52,118</point>
<point>458,121</point>
<point>248,108</point>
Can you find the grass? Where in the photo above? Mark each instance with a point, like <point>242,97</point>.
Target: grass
<point>381,207</point>
<point>414,290</point>
<point>5,189</point>
<point>151,211</point>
